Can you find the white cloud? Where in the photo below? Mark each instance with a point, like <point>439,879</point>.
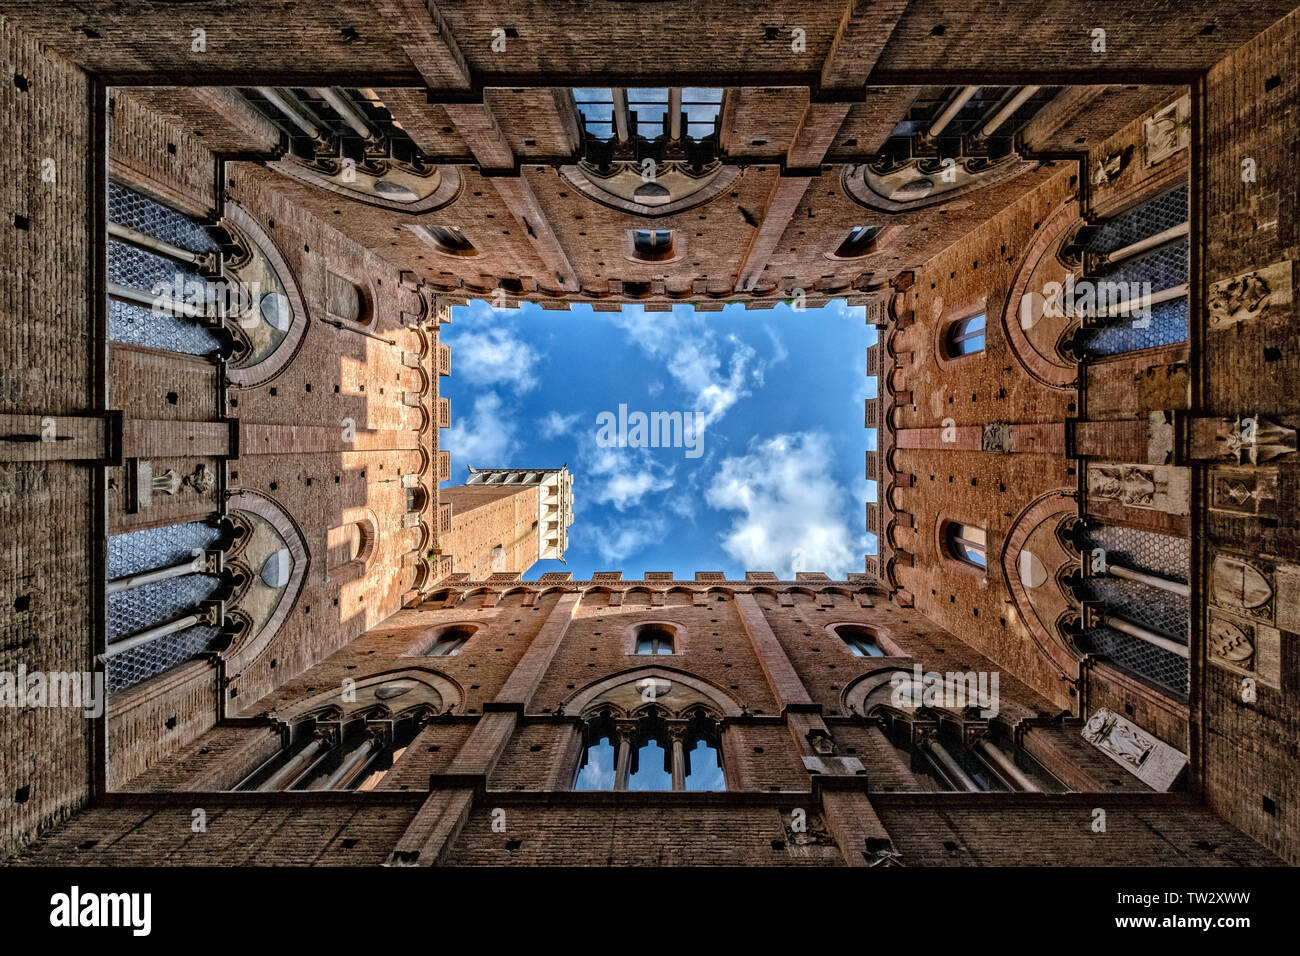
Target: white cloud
<point>716,371</point>
<point>622,476</point>
<point>485,438</point>
<point>615,543</point>
<point>554,424</point>
<point>494,356</point>
<point>791,510</point>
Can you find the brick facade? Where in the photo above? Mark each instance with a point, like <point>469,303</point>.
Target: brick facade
<point>306,451</point>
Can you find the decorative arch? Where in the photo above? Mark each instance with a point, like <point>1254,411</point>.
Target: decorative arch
<point>274,263</point>
<point>428,690</point>
<point>1043,262</point>
<point>586,699</point>
<point>254,644</point>
<point>862,695</point>
<point>1045,508</point>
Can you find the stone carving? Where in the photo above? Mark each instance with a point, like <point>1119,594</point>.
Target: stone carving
<point>1168,131</point>
<point>1107,169</point>
<point>1241,586</point>
<point>812,831</point>
<point>1129,484</point>
<point>1244,491</point>
<point>1247,296</point>
<point>1158,487</point>
<point>891,185</point>
<point>1231,643</point>
<point>1236,299</point>
<point>821,742</point>
<point>1150,760</point>
<point>996,438</point>
<point>202,479</point>
<point>1257,439</point>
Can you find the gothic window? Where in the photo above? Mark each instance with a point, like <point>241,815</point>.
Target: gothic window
<point>600,746</point>
<point>655,752</point>
<point>860,641</point>
<point>965,336</point>
<point>652,245</point>
<point>703,756</point>
<point>651,761</point>
<point>596,107</point>
<point>649,113</point>
<point>654,639</point>
<point>336,755</point>
<point>702,107</point>
<point>157,576</point>
<point>966,543</point>
<point>158,292</point>
<point>861,241</point>
<point>449,642</point>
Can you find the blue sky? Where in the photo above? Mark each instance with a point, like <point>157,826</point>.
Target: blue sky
<point>777,483</point>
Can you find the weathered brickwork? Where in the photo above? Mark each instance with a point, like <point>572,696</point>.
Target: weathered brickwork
<point>46,332</point>
<point>362,617</point>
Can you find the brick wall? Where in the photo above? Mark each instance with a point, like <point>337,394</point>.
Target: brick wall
<point>46,597</point>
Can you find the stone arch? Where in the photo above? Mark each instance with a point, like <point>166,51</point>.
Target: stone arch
<point>290,344</point>
<point>431,689</point>
<point>1042,263</point>
<point>862,695</point>
<point>253,644</point>
<point>584,699</point>
<point>1043,509</point>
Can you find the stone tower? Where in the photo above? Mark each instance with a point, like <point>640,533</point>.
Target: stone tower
<point>505,519</point>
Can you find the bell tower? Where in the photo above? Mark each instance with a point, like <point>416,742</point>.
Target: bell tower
<point>506,519</point>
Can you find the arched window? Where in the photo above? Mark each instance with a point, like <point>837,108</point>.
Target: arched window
<point>652,767</point>
<point>965,336</point>
<point>860,641</point>
<point>599,748</point>
<point>703,753</point>
<point>449,642</point>
<point>417,499</point>
<point>657,752</point>
<point>450,241</point>
<point>861,241</point>
<point>652,245</point>
<point>654,639</point>
<point>349,542</point>
<point>966,543</point>
<point>344,299</point>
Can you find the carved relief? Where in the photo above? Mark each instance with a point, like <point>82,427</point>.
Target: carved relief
<point>1169,131</point>
<point>1242,586</point>
<point>1156,487</point>
<point>810,831</point>
<point>1107,169</point>
<point>1255,439</point>
<point>1150,760</point>
<point>1248,296</point>
<point>891,186</point>
<point>996,438</point>
<point>1244,491</point>
<point>1232,643</point>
